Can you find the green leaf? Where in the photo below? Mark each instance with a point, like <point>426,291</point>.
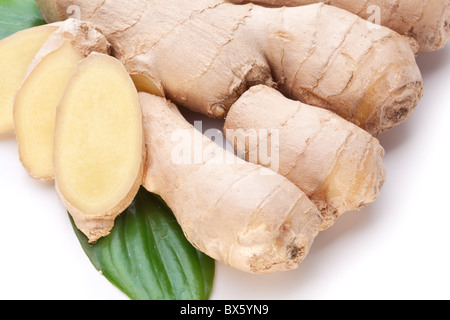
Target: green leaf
<point>148,257</point>
<point>16,15</point>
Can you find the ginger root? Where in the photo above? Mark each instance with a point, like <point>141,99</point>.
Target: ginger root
<point>239,213</point>
<point>36,100</point>
<point>204,54</point>
<point>98,144</point>
<point>337,164</point>
<point>427,21</point>
<point>16,53</point>
<point>108,140</point>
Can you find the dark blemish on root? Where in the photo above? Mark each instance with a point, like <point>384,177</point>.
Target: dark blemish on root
<point>296,253</point>
<point>398,115</point>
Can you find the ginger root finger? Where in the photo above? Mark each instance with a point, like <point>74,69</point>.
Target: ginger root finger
<point>367,76</point>
<point>98,144</point>
<point>427,21</point>
<point>239,213</point>
<point>337,164</point>
<point>16,53</point>
<point>37,98</point>
<point>318,54</point>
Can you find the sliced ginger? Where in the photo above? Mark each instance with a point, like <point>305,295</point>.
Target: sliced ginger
<point>35,109</point>
<point>36,101</point>
<point>16,54</point>
<point>98,144</point>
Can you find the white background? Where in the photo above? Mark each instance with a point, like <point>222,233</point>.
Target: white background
<point>397,248</point>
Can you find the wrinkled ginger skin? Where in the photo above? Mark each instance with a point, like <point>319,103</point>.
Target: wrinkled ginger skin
<point>238,213</point>
<point>82,35</point>
<point>206,53</point>
<point>427,21</point>
<point>337,164</point>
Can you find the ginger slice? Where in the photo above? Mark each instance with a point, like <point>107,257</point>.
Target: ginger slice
<point>98,144</point>
<point>16,53</point>
<point>37,98</point>
<point>35,109</point>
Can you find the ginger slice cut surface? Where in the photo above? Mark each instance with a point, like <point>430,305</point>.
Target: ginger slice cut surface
<point>98,145</point>
<point>35,109</point>
<point>44,84</point>
<point>16,54</point>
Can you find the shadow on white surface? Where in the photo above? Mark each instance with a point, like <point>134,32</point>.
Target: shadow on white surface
<point>430,65</point>
<point>312,272</point>
<point>431,62</point>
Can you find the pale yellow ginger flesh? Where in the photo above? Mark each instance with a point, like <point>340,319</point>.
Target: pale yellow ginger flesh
<point>47,77</point>
<point>35,109</point>
<point>337,164</point>
<point>205,54</point>
<point>145,84</point>
<point>427,21</point>
<point>238,213</point>
<point>16,53</point>
<point>98,144</point>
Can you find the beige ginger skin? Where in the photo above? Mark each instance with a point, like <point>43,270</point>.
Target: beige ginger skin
<point>427,21</point>
<point>337,164</point>
<point>240,214</point>
<point>205,54</point>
